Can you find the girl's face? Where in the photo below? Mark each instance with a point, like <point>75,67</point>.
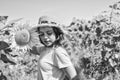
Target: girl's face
<point>47,36</point>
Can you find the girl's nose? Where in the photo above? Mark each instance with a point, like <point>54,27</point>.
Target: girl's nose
<point>46,36</point>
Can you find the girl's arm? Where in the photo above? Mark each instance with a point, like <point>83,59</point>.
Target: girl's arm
<point>71,72</point>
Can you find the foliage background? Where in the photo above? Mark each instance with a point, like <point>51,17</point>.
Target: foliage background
<point>94,48</point>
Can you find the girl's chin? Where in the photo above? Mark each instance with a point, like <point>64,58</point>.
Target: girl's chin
<point>48,45</point>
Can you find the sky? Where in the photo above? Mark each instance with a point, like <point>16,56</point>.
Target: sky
<point>62,11</point>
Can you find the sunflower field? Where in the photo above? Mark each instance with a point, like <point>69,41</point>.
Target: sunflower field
<point>93,45</point>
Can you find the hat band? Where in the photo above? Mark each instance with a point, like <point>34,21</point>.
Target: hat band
<point>46,22</point>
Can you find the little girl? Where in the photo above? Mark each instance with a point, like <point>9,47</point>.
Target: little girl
<point>54,62</point>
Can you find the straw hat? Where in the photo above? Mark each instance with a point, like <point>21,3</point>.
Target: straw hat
<point>46,21</point>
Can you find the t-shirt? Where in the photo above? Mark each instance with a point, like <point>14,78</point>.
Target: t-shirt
<point>51,62</point>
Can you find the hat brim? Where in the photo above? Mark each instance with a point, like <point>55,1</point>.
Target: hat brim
<point>48,25</point>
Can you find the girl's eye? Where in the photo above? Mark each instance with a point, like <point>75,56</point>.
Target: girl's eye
<point>49,33</point>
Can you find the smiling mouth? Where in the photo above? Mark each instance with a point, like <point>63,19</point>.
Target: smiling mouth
<point>47,41</point>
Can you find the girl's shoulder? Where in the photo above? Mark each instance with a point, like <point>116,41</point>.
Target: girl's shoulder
<point>61,58</point>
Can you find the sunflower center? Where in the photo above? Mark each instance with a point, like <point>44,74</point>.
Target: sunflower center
<point>22,37</point>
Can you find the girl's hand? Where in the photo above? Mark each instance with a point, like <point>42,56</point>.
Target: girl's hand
<point>34,50</point>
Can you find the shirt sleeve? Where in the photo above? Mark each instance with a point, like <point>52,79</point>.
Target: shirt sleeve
<point>62,59</point>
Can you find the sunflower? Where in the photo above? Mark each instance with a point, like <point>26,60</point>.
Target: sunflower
<point>24,37</point>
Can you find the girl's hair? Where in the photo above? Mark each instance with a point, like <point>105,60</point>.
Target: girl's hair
<point>58,34</point>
